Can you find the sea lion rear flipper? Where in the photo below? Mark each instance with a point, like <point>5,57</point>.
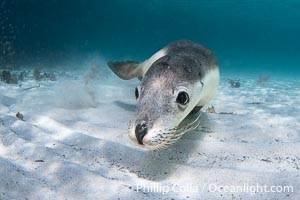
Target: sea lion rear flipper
<point>125,70</point>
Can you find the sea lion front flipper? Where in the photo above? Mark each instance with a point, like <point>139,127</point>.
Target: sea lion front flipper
<point>196,110</point>
<point>126,70</point>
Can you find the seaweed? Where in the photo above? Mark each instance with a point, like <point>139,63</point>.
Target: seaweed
<point>8,77</point>
<point>20,116</point>
<point>234,83</point>
<point>22,76</point>
<point>46,76</point>
<point>5,76</point>
<point>211,109</point>
<point>37,74</point>
<point>29,88</point>
<point>49,76</point>
<point>262,79</point>
<point>227,113</point>
<point>255,103</point>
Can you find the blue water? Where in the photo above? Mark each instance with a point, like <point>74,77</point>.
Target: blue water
<point>247,36</point>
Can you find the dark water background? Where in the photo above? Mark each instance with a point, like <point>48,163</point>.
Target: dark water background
<point>257,35</point>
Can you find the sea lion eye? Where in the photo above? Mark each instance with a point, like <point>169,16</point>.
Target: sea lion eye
<point>136,93</point>
<point>182,98</point>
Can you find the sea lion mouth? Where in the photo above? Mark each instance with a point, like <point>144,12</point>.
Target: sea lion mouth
<point>161,138</point>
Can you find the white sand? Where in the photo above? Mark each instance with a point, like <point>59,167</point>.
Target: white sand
<point>73,143</point>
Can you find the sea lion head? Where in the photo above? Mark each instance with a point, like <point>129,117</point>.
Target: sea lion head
<point>169,91</point>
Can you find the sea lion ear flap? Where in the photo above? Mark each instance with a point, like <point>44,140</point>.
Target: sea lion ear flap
<point>125,70</point>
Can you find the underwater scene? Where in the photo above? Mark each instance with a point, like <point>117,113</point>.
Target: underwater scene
<point>129,99</point>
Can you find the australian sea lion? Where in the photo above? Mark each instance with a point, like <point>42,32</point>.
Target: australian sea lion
<point>177,80</point>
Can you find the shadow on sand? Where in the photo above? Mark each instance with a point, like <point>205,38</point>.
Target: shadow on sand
<point>126,106</point>
<point>157,165</point>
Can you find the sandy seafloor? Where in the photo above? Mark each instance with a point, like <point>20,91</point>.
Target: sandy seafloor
<point>73,143</point>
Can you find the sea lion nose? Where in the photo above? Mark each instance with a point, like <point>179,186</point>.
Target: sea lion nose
<point>140,132</point>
